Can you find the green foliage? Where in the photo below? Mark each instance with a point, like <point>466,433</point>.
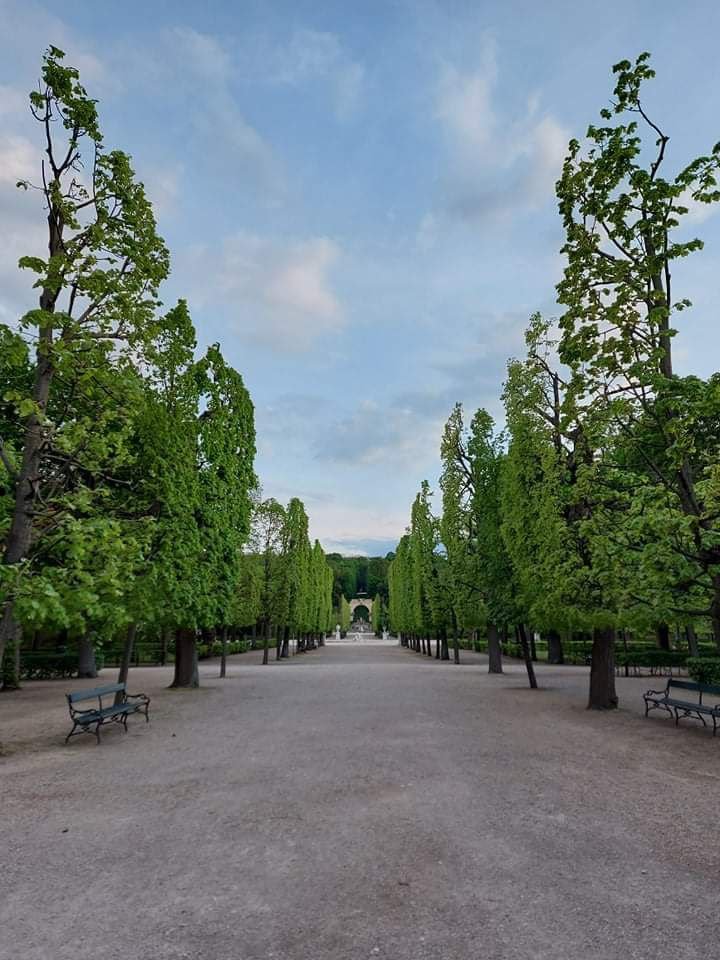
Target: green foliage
<point>344,615</point>
<point>704,669</point>
<point>138,455</point>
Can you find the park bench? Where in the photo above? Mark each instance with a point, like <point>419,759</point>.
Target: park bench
<point>679,705</point>
<point>84,719</point>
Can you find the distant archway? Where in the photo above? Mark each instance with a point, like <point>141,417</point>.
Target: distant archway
<point>361,612</point>
<point>365,602</point>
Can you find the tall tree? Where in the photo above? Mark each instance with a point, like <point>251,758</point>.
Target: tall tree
<point>623,221</point>
<point>98,284</point>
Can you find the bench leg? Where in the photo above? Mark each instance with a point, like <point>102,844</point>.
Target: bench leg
<point>97,731</point>
<point>71,733</point>
<point>677,717</point>
<point>124,721</point>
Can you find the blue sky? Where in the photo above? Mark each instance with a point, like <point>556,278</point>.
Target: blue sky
<point>358,198</point>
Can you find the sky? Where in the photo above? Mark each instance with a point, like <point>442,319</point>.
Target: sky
<point>359,201</point>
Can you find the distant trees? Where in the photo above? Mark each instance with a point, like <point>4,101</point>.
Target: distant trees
<point>358,575</point>
<point>596,509</point>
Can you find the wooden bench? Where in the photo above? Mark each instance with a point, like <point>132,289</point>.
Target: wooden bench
<point>84,719</point>
<point>679,705</point>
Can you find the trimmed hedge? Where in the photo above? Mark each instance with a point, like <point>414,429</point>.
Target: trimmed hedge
<point>214,649</point>
<point>704,669</point>
<point>51,664</point>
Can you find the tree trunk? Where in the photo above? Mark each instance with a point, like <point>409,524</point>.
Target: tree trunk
<point>555,649</point>
<point>86,658</point>
<point>186,661</point>
<point>715,610</point>
<point>10,666</point>
<point>223,653</point>
<point>445,655</point>
<point>663,636</point>
<point>19,536</point>
<point>126,659</point>
<point>266,643</point>
<point>533,649</point>
<point>602,671</point>
<point>456,646</point>
<point>285,653</point>
<point>525,645</point>
<point>494,649</point>
<point>692,643</point>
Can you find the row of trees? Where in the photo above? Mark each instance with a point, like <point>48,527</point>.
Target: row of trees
<point>597,508</point>
<point>286,582</point>
<point>127,487</point>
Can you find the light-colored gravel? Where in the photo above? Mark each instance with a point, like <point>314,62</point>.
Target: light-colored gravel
<point>358,802</point>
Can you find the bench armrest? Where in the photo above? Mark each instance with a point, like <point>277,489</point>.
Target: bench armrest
<point>656,693</point>
<point>76,712</point>
<point>138,696</point>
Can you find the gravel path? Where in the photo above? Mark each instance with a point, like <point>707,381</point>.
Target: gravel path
<point>359,802</point>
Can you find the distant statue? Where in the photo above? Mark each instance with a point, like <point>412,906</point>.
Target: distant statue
<point>337,631</point>
<point>385,634</point>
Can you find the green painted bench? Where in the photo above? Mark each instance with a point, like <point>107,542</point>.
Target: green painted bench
<point>675,700</point>
<point>84,719</point>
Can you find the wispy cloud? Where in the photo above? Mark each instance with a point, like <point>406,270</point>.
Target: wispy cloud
<point>310,56</point>
<point>499,164</point>
<point>394,432</point>
<point>280,292</point>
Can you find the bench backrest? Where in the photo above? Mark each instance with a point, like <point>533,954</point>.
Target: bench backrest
<point>699,688</point>
<point>95,692</point>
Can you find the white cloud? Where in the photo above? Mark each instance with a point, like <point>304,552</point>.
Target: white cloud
<point>19,160</point>
<point>311,56</point>
<point>203,54</point>
<point>12,100</point>
<point>697,211</point>
<point>162,186</point>
<point>281,291</point>
<point>464,103</point>
<point>401,431</point>
<point>202,71</point>
<point>498,164</point>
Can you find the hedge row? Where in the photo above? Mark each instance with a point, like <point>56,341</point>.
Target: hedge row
<point>214,649</point>
<point>54,665</point>
<point>704,669</point>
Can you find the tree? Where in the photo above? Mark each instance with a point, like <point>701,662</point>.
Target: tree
<point>98,289</point>
<point>457,533</point>
<point>622,218</point>
<point>344,615</point>
<point>378,615</point>
<point>267,547</point>
<point>495,573</point>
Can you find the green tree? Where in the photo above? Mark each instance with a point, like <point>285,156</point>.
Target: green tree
<point>98,290</point>
<point>623,221</point>
<point>494,571</point>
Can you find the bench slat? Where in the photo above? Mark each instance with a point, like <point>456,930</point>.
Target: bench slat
<point>688,705</point>
<point>95,692</point>
<point>695,687</point>
<point>105,712</point>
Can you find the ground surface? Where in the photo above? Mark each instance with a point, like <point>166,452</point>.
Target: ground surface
<point>359,802</point>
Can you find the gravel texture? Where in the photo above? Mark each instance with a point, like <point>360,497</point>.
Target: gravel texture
<point>359,802</point>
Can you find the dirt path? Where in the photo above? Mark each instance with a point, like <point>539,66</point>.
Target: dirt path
<point>359,803</point>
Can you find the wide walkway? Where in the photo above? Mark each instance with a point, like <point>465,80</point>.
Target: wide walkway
<point>359,802</point>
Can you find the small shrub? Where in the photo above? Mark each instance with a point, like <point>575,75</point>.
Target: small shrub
<point>704,669</point>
